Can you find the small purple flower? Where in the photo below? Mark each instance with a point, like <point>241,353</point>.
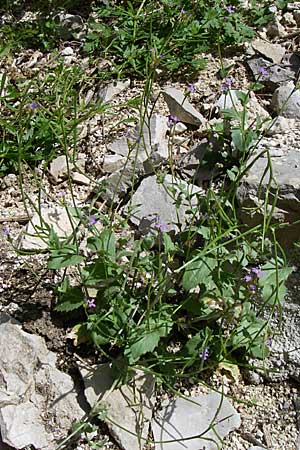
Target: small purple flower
<point>227,84</point>
<point>160,226</point>
<point>252,288</point>
<point>204,354</point>
<point>172,121</point>
<point>92,221</point>
<point>263,71</point>
<point>230,9</point>
<point>258,272</point>
<point>191,88</point>
<point>61,194</point>
<point>269,341</point>
<point>161,55</point>
<point>183,11</point>
<point>6,232</point>
<point>33,105</point>
<point>248,278</point>
<point>91,303</point>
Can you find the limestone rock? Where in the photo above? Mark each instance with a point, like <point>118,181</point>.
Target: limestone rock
<point>129,407</point>
<point>286,101</point>
<point>184,418</point>
<point>60,168</point>
<point>67,51</point>
<point>155,202</point>
<point>115,186</point>
<point>70,26</point>
<point>112,163</point>
<point>252,190</point>
<point>276,74</point>
<point>36,399</point>
<point>228,100</point>
<point>36,233</point>
<point>112,90</point>
<point>180,107</point>
<point>274,52</point>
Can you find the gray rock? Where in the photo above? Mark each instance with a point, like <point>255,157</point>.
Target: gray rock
<point>60,168</point>
<point>155,202</point>
<point>275,29</point>
<point>280,125</point>
<point>273,52</point>
<point>80,178</point>
<point>277,74</point>
<point>70,26</point>
<point>115,186</point>
<point>112,163</point>
<point>112,90</point>
<point>179,128</point>
<point>67,51</point>
<point>288,20</point>
<point>286,101</point>
<point>129,407</point>
<point>252,190</point>
<point>228,100</point>
<point>36,399</point>
<point>185,418</point>
<point>296,15</point>
<point>180,107</point>
<point>257,447</point>
<point>35,236</point>
<point>145,140</point>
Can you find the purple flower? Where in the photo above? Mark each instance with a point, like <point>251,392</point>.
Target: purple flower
<point>33,105</point>
<point>269,341</point>
<point>6,232</point>
<point>92,221</point>
<point>191,88</point>
<point>204,354</point>
<point>160,226</point>
<point>172,121</point>
<point>258,272</point>
<point>161,55</point>
<point>252,287</point>
<point>248,278</point>
<point>91,303</point>
<point>263,71</point>
<point>230,9</point>
<point>61,194</point>
<point>227,84</point>
<point>183,11</point>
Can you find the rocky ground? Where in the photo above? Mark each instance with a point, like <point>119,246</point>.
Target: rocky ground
<point>266,403</point>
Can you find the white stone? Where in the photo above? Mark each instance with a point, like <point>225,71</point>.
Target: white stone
<point>34,394</point>
<point>180,107</point>
<point>112,163</point>
<point>80,178</point>
<point>271,51</point>
<point>67,51</point>
<point>113,89</point>
<point>286,101</point>
<point>129,407</point>
<point>36,234</point>
<point>185,418</point>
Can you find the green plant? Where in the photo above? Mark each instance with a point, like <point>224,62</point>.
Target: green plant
<point>169,33</point>
<point>45,121</point>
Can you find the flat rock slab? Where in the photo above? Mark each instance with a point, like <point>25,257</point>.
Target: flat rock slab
<point>286,101</point>
<point>277,74</point>
<point>35,236</point>
<point>154,202</point>
<point>129,408</point>
<point>36,399</point>
<point>180,107</point>
<point>251,192</point>
<point>274,52</point>
<point>184,419</point>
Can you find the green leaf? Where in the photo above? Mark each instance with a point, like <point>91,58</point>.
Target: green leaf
<point>104,244</point>
<point>273,282</point>
<point>144,344</point>
<point>64,257</point>
<point>168,244</point>
<point>72,299</point>
<point>199,272</point>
